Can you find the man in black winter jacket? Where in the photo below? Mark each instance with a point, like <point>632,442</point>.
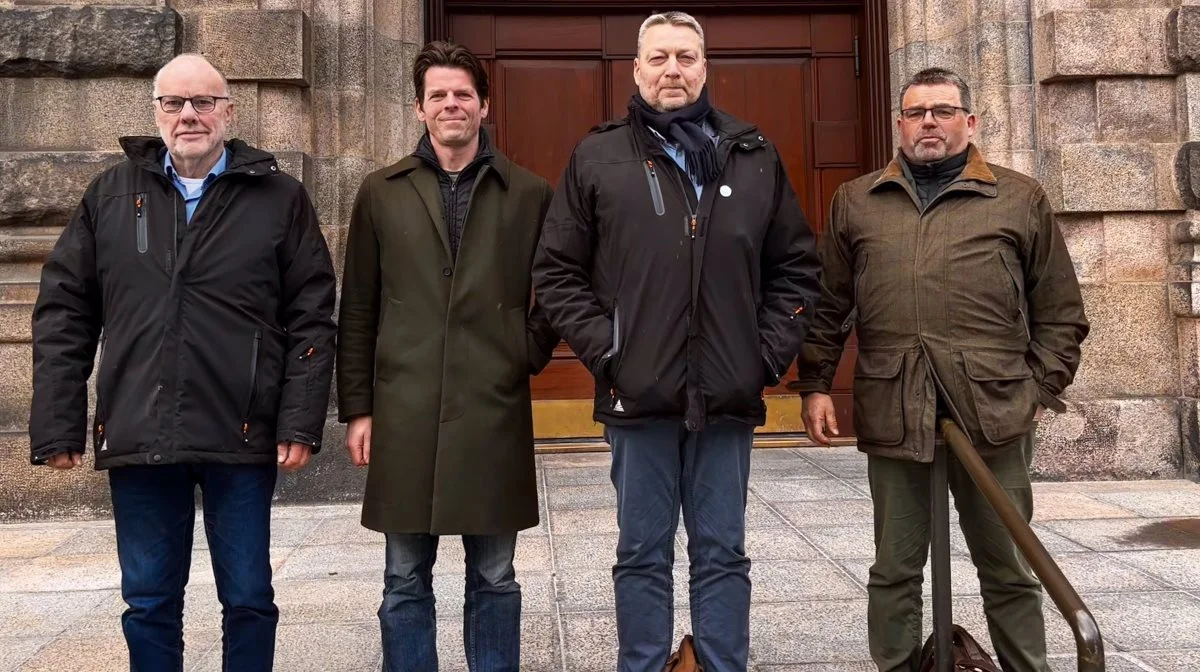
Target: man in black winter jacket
<point>676,262</point>
<point>200,271</point>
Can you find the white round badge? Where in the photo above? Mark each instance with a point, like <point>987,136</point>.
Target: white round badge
<point>726,191</point>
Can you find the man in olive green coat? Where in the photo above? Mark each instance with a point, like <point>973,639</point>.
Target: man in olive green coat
<point>437,340</point>
<point>967,306</point>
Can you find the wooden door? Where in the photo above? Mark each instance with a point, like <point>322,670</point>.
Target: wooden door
<point>556,74</point>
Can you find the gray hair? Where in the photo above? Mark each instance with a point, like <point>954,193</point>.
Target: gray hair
<point>934,76</point>
<point>670,18</point>
<point>191,56</point>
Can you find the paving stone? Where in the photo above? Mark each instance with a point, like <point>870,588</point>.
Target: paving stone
<point>575,551</point>
<point>1179,568</point>
<point>559,477</point>
<point>90,541</point>
<point>1095,573</point>
<point>777,469</point>
<point>49,574</point>
<point>861,666</point>
<point>760,516</point>
<point>1170,660</point>
<point>778,544</point>
<point>964,579</point>
<point>328,600</point>
<point>804,490</point>
<point>584,521</point>
<point>537,594</point>
<point>342,530</point>
<point>1156,504</point>
<point>591,639</point>
<point>46,614</point>
<point>341,561</point>
<point>575,460</point>
<point>800,580</point>
<point>18,542</point>
<point>16,650</point>
<point>539,644</point>
<point>107,652</point>
<point>592,589</point>
<point>581,497</point>
<point>1073,506</point>
<point>324,647</point>
<point>1113,662</point>
<point>809,632</point>
<point>1112,534</point>
<point>1147,621</point>
<point>843,541</point>
<point>849,511</point>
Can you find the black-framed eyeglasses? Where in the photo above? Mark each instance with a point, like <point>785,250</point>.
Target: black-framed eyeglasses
<point>201,104</point>
<point>940,113</point>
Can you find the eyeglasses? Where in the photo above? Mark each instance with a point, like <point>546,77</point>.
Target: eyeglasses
<point>940,113</point>
<point>201,104</point>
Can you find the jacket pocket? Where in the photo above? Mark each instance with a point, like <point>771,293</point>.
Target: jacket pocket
<point>858,276</point>
<point>879,397</point>
<point>656,194</point>
<point>140,216</point>
<point>249,408</point>
<point>1011,269</point>
<point>1003,392</point>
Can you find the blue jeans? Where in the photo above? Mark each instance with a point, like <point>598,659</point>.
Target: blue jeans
<point>491,614</point>
<point>154,511</point>
<point>657,468</point>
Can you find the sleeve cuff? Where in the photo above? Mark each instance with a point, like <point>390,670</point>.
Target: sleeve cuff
<point>1051,402</point>
<point>39,456</point>
<point>348,409</point>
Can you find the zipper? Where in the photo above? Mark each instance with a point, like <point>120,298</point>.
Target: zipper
<point>656,194</point>
<point>174,251</point>
<point>253,386</point>
<point>143,236</point>
<point>614,353</point>
<point>101,414</point>
<point>1017,297</point>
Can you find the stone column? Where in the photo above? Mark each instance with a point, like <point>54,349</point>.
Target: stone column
<point>1108,136</point>
<point>985,41</point>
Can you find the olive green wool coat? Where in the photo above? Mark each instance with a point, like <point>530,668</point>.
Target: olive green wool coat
<point>440,352</point>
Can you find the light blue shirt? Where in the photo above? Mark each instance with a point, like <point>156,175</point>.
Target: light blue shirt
<point>192,199</point>
<point>677,154</point>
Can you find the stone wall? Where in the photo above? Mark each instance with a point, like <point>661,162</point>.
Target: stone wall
<point>1100,99</point>
<point>321,83</point>
<point>1093,98</point>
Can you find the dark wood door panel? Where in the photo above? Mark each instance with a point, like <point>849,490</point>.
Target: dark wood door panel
<point>556,73</point>
<point>538,139</point>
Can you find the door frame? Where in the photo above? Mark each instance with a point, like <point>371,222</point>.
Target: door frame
<point>872,54</point>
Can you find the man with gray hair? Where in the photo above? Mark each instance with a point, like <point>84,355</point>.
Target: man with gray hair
<point>199,270</point>
<point>676,262</point>
<point>967,307</point>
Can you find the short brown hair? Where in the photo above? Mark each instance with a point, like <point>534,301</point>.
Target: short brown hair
<point>448,55</point>
<point>934,76</point>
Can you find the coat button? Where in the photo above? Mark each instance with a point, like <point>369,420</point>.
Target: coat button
<point>446,271</point>
<point>158,458</point>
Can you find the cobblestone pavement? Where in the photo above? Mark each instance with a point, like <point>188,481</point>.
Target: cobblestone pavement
<point>809,536</point>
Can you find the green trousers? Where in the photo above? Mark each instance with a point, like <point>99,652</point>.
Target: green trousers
<point>1012,595</point>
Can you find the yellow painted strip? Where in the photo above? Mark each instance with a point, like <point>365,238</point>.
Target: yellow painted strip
<point>572,418</point>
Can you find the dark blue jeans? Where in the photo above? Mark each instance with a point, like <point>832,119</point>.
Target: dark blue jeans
<point>491,614</point>
<point>154,511</point>
<point>657,468</point>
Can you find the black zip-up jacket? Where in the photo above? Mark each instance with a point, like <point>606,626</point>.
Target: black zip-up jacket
<point>681,310</point>
<point>216,336</point>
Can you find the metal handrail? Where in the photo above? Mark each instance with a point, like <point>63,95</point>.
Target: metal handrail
<point>1089,645</point>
